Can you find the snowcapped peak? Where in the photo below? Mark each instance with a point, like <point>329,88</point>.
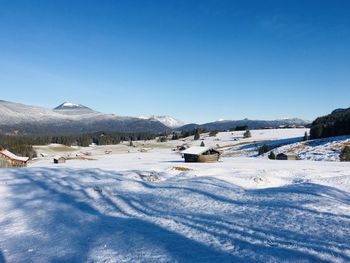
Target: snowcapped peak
<point>293,120</point>
<point>166,120</point>
<point>70,104</point>
<point>70,108</point>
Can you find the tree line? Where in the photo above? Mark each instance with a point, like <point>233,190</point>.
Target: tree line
<point>23,145</point>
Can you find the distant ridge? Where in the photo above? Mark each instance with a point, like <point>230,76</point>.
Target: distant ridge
<point>223,125</point>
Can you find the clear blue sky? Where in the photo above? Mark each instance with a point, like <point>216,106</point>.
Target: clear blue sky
<point>195,60</point>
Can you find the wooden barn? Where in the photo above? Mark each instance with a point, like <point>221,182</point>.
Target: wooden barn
<point>287,156</point>
<point>59,159</point>
<point>9,159</point>
<point>201,154</point>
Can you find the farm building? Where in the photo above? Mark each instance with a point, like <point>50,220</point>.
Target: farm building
<point>287,156</point>
<point>9,159</point>
<point>201,154</point>
<point>59,159</point>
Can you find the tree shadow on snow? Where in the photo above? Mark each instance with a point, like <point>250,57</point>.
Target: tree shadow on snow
<point>77,222</point>
<point>2,259</point>
<point>64,221</point>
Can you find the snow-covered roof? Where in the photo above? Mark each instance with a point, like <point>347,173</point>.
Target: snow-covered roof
<point>57,157</point>
<point>196,150</point>
<point>13,156</point>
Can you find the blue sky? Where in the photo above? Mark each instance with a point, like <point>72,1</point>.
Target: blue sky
<point>196,60</point>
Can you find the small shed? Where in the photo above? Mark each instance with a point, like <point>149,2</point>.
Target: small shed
<point>201,154</point>
<point>287,156</point>
<point>59,159</point>
<point>9,159</point>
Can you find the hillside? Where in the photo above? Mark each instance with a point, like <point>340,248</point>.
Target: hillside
<point>325,149</point>
<point>335,124</point>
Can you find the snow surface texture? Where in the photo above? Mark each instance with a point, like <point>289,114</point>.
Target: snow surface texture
<point>150,206</point>
<point>138,207</point>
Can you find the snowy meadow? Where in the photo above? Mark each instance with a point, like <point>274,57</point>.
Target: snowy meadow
<point>144,204</point>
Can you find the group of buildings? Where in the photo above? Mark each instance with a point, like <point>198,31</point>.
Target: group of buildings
<point>207,154</point>
<point>192,154</point>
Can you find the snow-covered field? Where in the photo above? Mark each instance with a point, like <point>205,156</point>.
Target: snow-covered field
<point>150,206</point>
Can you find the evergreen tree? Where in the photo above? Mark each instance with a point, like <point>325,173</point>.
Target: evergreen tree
<point>263,149</point>
<point>305,137</point>
<point>202,144</point>
<point>213,133</point>
<point>162,139</point>
<point>335,124</point>
<point>247,134</point>
<point>272,156</point>
<point>196,135</point>
<point>175,136</point>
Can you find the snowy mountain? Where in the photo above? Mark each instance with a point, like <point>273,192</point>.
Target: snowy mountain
<point>223,125</point>
<point>168,121</point>
<point>70,108</point>
<point>68,118</point>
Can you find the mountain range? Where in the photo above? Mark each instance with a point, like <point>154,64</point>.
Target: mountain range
<point>68,118</point>
<point>250,124</point>
<point>168,121</point>
<point>74,118</point>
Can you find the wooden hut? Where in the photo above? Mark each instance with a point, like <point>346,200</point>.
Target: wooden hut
<point>201,154</point>
<point>9,159</point>
<point>287,156</point>
<point>59,159</point>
